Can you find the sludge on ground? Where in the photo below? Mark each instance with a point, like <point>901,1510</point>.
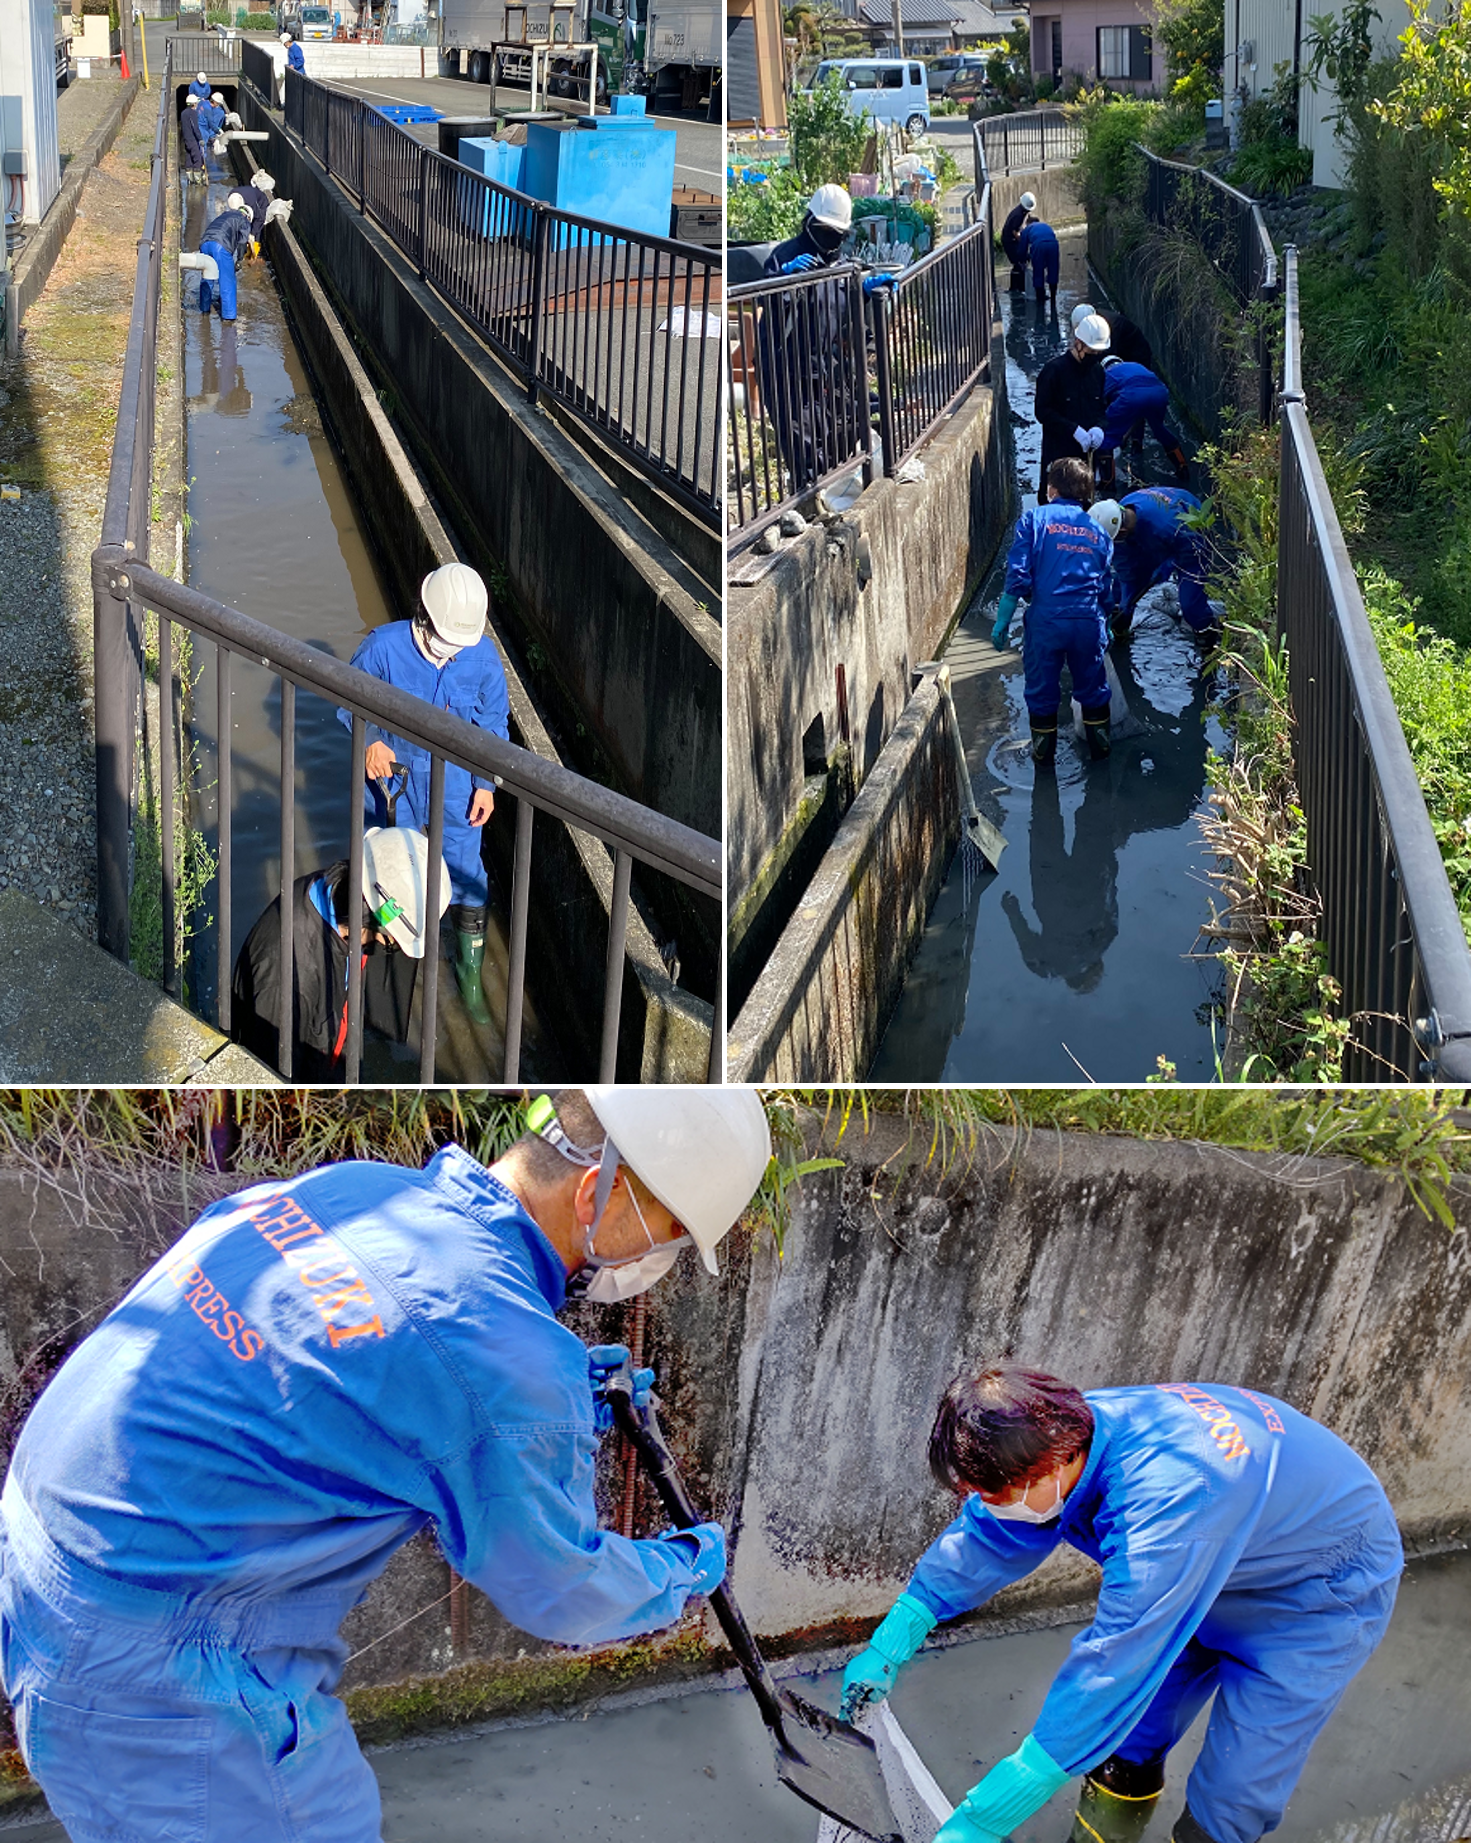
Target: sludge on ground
<point>1394,1765</point>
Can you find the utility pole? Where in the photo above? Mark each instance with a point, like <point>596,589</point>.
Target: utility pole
<point>899,25</point>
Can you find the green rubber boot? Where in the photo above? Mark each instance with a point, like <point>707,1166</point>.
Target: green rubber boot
<point>469,958</point>
<point>1117,1802</point>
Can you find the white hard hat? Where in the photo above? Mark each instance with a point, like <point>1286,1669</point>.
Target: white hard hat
<point>395,883</point>
<point>1108,515</point>
<point>702,1151</point>
<point>455,600</point>
<point>832,206</point>
<point>216,96</point>
<point>1092,331</point>
<point>1028,201</point>
<point>264,183</point>
<point>200,77</point>
<point>1081,312</point>
<point>191,101</point>
<point>285,38</point>
<point>234,201</point>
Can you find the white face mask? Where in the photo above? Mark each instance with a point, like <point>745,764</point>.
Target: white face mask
<point>438,652</point>
<point>1022,1512</point>
<point>611,1281</point>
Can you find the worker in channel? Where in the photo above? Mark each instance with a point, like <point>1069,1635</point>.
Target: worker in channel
<point>199,88</point>
<point>295,56</point>
<point>1160,539</point>
<point>318,1370</point>
<point>1133,395</point>
<point>228,240</point>
<point>393,937</point>
<point>259,195</point>
<point>1249,1556</point>
<point>1038,246</point>
<point>194,138</point>
<point>446,657</point>
<point>1124,338</point>
<point>1011,233</point>
<point>212,115</point>
<point>1069,399</point>
<point>1059,564</point>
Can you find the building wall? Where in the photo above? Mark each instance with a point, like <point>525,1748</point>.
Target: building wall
<point>28,103</point>
<point>756,75</point>
<point>1080,22</point>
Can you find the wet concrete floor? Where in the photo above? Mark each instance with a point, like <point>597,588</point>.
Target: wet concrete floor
<point>274,530</point>
<point>1393,1766</point>
<point>1076,956</point>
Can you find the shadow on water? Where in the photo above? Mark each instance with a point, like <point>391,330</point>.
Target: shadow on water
<point>274,531</point>
<point>1075,956</point>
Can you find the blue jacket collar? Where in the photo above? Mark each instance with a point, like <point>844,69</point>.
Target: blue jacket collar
<point>496,1207</point>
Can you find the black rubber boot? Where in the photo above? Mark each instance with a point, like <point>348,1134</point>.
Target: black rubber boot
<point>1176,458</point>
<point>1189,1829</point>
<point>1044,744</point>
<point>1117,1801</point>
<point>1095,730</point>
<point>1041,294</point>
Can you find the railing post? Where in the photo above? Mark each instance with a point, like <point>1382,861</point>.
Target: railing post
<point>115,705</point>
<point>363,158</point>
<point>879,309</point>
<point>423,209</point>
<point>538,302</point>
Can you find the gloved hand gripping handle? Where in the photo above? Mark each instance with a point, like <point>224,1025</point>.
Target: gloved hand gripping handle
<point>640,1427</point>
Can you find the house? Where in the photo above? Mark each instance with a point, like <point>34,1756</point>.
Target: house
<point>1263,37</point>
<point>932,26</point>
<point>755,63</point>
<point>1102,41</point>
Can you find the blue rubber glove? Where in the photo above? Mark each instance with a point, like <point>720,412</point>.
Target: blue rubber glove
<point>872,283</point>
<point>603,1361</point>
<point>703,1546</point>
<point>799,265</point>
<point>1005,609</point>
<point>870,1677</point>
<point>1010,1793</point>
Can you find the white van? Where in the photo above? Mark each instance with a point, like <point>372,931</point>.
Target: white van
<point>891,89</point>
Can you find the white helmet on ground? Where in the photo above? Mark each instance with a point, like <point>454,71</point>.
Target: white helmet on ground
<point>396,882</point>
<point>702,1151</point>
<point>455,600</point>
<point>1081,312</point>
<point>1028,201</point>
<point>832,206</point>
<point>1108,515</point>
<point>1092,331</point>
<point>264,182</point>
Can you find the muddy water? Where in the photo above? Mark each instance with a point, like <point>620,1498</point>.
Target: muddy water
<point>1077,955</point>
<point>274,531</point>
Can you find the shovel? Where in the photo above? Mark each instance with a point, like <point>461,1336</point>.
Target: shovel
<point>826,1761</point>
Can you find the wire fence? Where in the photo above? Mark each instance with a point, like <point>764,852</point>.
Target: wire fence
<point>1028,143</point>
<point>126,591</point>
<point>620,327</point>
<point>1394,937</point>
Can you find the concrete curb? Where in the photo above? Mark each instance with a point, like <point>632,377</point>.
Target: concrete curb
<point>37,260</point>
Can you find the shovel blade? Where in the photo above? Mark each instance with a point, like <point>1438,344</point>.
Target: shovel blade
<point>835,1768</point>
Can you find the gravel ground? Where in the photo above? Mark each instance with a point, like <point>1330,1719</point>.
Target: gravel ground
<point>58,406</point>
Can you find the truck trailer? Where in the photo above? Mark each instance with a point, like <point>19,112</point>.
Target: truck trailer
<point>684,55</point>
<point>474,32</point>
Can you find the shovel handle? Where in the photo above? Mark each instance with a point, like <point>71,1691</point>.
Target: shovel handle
<point>640,1427</point>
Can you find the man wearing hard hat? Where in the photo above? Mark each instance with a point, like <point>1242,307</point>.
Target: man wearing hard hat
<point>318,1370</point>
<point>445,656</point>
<point>1011,236</point>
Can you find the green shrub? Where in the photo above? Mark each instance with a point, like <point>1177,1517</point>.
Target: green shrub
<point>1046,85</point>
<point>1272,166</point>
<point>1110,164</point>
<point>254,22</point>
<point>826,140</point>
<point>768,213</point>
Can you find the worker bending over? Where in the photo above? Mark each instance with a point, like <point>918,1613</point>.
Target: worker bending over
<point>1069,400</point>
<point>1059,565</point>
<point>1155,543</point>
<point>212,115</point>
<point>1247,1554</point>
<point>1011,234</point>
<point>393,937</point>
<point>446,657</point>
<point>228,240</point>
<point>295,56</point>
<point>1038,246</point>
<point>259,196</point>
<point>1132,396</point>
<point>318,1370</point>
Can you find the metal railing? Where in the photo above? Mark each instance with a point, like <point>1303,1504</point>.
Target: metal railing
<point>620,327</point>
<point>206,51</point>
<point>1394,938</point>
<point>125,589</point>
<point>1226,224</point>
<point>258,67</point>
<point>1028,143</point>
<point>797,392</point>
<point>800,401</point>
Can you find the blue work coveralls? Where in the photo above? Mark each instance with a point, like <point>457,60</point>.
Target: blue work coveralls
<point>1133,395</point>
<point>316,1371</point>
<point>472,686</point>
<point>226,238</point>
<point>296,58</point>
<point>201,90</point>
<point>1159,547</point>
<point>1059,564</point>
<point>211,119</point>
<point>1247,1554</point>
<point>1038,246</point>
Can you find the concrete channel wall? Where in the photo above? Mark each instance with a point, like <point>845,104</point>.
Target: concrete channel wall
<point>664,1031</point>
<point>799,1388</point>
<point>634,656</point>
<point>819,1009</point>
<point>873,594</point>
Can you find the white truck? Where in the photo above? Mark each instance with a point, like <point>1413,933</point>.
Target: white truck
<point>471,32</point>
<point>684,54</point>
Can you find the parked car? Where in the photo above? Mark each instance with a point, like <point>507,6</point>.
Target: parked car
<point>891,89</point>
<point>308,22</point>
<point>957,70</point>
